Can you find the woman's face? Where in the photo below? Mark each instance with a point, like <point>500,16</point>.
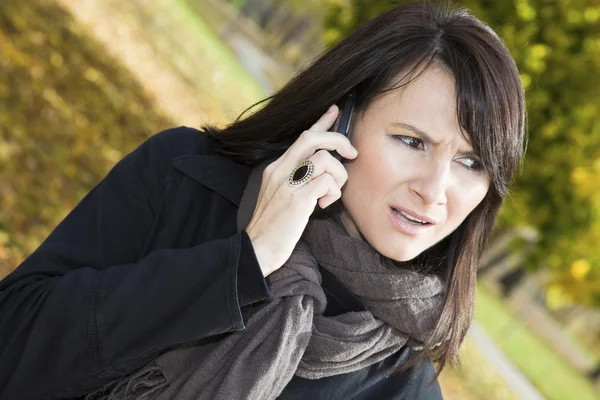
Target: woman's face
<point>416,178</point>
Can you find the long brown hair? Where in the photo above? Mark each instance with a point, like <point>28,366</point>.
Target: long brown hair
<point>490,106</point>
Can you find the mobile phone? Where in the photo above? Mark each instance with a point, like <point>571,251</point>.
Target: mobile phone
<point>343,123</point>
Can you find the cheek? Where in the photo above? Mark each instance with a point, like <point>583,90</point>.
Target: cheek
<point>365,183</point>
<point>356,184</point>
<point>371,174</point>
<point>465,200</point>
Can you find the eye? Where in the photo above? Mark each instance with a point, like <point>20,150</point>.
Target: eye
<point>411,142</point>
<point>471,163</point>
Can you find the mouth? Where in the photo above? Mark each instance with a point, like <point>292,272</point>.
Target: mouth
<point>410,223</point>
<point>412,217</point>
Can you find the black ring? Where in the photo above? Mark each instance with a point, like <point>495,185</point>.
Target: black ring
<point>302,173</point>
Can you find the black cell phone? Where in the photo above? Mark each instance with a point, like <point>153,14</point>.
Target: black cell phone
<point>343,123</point>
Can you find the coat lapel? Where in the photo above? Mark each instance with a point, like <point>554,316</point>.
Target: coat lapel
<point>216,172</point>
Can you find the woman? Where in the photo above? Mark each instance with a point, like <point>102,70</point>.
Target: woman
<point>198,268</point>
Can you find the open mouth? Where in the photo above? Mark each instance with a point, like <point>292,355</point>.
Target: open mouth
<point>409,218</point>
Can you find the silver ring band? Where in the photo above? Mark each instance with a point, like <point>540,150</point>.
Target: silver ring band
<point>302,173</point>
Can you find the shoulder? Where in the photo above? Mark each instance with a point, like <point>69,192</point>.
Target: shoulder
<point>179,141</point>
<point>160,150</point>
<point>152,161</point>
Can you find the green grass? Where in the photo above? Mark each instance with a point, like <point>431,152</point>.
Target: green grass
<point>547,371</point>
<point>474,378</point>
<point>218,55</point>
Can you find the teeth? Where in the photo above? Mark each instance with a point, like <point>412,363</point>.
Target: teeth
<point>410,218</point>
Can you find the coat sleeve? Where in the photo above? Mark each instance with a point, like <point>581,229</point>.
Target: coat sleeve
<point>83,308</point>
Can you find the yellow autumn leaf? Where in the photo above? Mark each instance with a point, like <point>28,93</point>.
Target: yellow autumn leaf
<point>556,297</point>
<point>580,268</point>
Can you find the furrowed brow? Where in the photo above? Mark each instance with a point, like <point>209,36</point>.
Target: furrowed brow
<point>425,136</point>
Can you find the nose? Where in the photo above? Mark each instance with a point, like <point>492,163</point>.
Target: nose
<point>432,183</point>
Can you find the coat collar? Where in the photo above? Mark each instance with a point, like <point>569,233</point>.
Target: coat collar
<point>216,172</point>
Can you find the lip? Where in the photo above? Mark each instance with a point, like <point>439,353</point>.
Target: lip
<point>414,214</point>
<point>406,227</point>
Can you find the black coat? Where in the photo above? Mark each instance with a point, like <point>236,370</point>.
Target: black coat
<point>149,259</point>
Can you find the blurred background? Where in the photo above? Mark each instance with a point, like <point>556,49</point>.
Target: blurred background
<point>83,82</point>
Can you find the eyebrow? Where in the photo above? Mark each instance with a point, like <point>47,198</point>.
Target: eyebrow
<point>416,130</point>
<point>423,134</point>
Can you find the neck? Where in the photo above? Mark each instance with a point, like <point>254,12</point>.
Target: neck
<point>349,224</point>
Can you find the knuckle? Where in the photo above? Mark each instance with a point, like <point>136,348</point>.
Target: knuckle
<point>320,185</point>
<point>329,179</point>
<point>307,136</point>
<point>271,166</point>
<point>338,136</point>
<point>321,157</point>
<point>268,170</point>
<point>334,188</point>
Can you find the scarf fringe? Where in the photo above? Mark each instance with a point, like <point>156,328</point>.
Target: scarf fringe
<point>144,384</point>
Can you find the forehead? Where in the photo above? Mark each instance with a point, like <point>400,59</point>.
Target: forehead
<point>428,102</point>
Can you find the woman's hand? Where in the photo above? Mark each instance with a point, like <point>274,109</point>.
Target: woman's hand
<point>282,211</point>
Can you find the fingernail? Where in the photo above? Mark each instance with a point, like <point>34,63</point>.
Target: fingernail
<point>331,109</point>
<point>354,151</point>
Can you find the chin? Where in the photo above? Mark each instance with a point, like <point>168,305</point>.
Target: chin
<point>404,257</point>
<point>398,254</point>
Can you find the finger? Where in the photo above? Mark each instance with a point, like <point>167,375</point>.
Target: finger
<point>326,120</point>
<point>307,144</point>
<point>328,200</point>
<point>323,185</point>
<point>325,162</point>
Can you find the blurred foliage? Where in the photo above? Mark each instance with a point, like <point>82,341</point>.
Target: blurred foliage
<point>315,7</point>
<point>557,47</point>
<point>68,113</point>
